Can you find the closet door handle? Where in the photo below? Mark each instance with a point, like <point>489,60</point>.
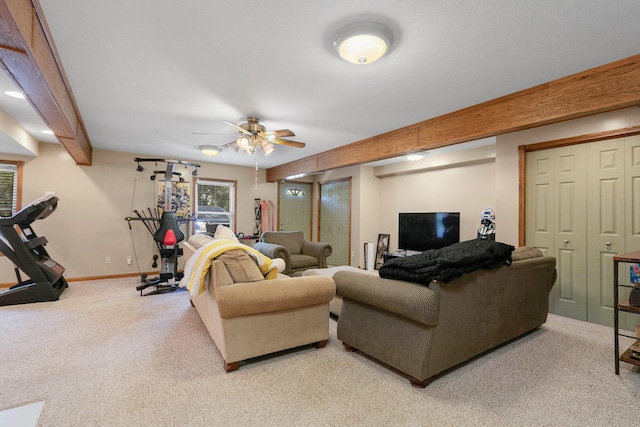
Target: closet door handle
<point>566,241</point>
<point>608,243</point>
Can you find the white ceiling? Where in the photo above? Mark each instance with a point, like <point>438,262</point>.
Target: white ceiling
<point>147,74</point>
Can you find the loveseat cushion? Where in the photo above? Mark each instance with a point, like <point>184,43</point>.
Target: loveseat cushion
<point>241,266</point>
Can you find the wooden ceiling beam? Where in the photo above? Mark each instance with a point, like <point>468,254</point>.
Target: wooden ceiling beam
<point>378,147</point>
<point>30,59</point>
<point>609,87</point>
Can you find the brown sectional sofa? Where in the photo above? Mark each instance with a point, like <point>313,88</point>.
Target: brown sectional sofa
<point>422,331</point>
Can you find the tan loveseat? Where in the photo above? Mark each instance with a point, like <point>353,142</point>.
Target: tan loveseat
<point>422,331</point>
<point>298,254</point>
<point>254,317</point>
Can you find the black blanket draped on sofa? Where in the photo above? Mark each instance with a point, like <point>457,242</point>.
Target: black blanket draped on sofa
<point>448,263</point>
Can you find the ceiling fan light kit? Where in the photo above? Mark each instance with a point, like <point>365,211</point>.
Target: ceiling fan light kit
<point>253,137</point>
<point>363,42</point>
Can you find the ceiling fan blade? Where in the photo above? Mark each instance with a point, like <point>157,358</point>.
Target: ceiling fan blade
<point>238,128</point>
<point>270,134</point>
<point>289,143</point>
<point>283,133</point>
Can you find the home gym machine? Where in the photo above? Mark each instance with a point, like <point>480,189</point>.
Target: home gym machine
<point>26,250</point>
<point>165,229</point>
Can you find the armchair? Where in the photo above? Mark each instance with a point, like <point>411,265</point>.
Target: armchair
<point>298,254</point>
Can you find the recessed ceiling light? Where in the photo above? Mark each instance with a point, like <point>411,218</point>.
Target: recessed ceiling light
<point>47,131</point>
<point>363,42</point>
<point>14,94</point>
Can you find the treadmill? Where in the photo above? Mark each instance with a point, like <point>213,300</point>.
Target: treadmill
<point>20,244</point>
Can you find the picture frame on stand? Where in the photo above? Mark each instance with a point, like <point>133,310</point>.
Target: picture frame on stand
<point>382,248</point>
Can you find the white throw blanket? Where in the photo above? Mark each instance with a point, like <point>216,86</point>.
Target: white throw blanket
<point>197,269</point>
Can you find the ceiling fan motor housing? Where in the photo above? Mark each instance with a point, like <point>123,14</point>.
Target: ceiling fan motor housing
<point>253,126</point>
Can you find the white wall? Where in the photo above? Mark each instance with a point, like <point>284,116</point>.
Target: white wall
<point>88,226</point>
<point>439,183</point>
<point>466,189</point>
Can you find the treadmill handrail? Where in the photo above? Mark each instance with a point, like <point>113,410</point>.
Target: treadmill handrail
<point>38,209</point>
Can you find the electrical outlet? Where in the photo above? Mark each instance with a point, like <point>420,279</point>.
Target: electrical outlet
<point>128,259</point>
<point>108,261</point>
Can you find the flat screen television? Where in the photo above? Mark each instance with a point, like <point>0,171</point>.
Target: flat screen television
<point>424,231</point>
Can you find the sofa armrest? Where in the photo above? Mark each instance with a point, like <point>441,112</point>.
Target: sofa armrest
<point>318,250</point>
<point>272,251</point>
<point>188,250</point>
<point>241,299</point>
<point>406,299</point>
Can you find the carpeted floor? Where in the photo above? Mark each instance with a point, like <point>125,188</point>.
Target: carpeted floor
<point>104,356</point>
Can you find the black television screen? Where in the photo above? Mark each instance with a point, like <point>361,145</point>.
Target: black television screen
<point>423,231</point>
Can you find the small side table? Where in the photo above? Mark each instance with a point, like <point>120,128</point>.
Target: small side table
<point>631,258</point>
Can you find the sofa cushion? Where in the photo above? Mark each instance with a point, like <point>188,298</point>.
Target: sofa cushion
<point>241,266</point>
<point>199,240</point>
<point>526,252</point>
<point>224,232</point>
<point>220,274</point>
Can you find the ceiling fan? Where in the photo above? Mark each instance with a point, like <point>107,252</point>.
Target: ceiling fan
<point>253,137</point>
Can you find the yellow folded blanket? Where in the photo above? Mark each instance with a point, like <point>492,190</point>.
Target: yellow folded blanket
<point>197,268</point>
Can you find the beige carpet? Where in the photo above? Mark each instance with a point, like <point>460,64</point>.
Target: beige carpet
<point>104,356</point>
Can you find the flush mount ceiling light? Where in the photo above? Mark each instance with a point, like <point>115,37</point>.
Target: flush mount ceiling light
<point>210,150</point>
<point>14,94</point>
<point>363,42</point>
<point>414,157</point>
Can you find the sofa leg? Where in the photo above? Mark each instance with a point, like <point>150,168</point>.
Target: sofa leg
<point>191,301</point>
<point>348,347</point>
<point>320,344</point>
<point>419,384</point>
<point>230,367</point>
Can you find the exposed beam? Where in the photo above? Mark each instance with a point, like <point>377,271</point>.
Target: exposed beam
<point>378,147</point>
<point>29,57</point>
<point>609,87</point>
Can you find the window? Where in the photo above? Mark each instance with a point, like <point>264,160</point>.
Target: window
<point>215,203</point>
<point>295,192</point>
<point>10,187</point>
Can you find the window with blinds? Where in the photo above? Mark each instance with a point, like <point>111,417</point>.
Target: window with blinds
<point>8,189</point>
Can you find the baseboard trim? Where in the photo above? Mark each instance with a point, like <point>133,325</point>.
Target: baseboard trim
<point>89,278</point>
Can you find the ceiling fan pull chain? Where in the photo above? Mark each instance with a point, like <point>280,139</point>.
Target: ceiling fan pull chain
<point>255,172</point>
